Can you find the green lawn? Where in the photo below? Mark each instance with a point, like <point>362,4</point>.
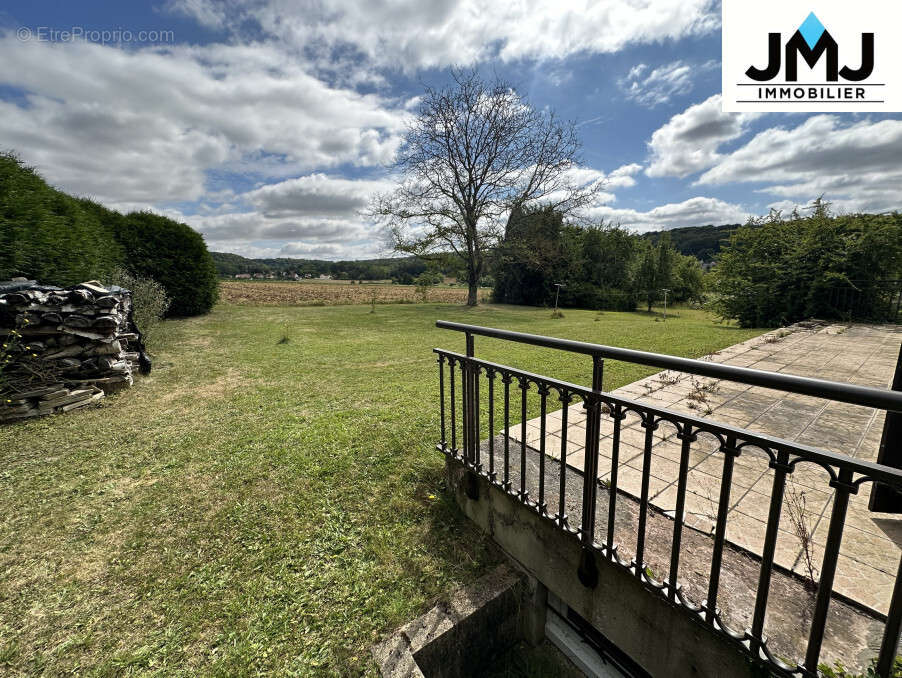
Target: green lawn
<point>257,507</point>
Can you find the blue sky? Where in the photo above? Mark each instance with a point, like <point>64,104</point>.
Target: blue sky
<point>268,124</point>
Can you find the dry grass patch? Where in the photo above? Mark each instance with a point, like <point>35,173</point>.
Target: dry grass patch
<point>324,294</point>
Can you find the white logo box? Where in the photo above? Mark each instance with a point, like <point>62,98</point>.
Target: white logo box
<point>746,28</point>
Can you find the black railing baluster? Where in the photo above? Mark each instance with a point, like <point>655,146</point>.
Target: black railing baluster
<point>891,633</point>
<point>464,413</point>
<point>490,375</point>
<point>842,469</point>
<point>843,488</point>
<point>506,380</point>
<point>730,452</point>
<point>543,404</point>
<point>562,507</point>
<point>467,395</point>
<point>650,425</point>
<point>524,387</point>
<point>781,469</point>
<point>615,468</point>
<point>477,448</point>
<point>590,462</point>
<point>451,362</point>
<point>441,397</point>
<point>687,437</point>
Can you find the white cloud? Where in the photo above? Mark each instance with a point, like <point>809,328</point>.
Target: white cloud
<point>689,141</point>
<point>309,215</point>
<point>144,127</point>
<point>698,211</point>
<point>622,177</point>
<point>651,88</point>
<point>298,250</point>
<point>415,34</point>
<point>856,166</point>
<point>316,194</point>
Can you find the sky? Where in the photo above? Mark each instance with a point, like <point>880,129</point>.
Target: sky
<point>268,125</point>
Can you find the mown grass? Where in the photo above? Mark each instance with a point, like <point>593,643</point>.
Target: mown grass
<point>259,506</point>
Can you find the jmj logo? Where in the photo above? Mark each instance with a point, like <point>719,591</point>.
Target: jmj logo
<point>806,66</point>
<point>812,41</point>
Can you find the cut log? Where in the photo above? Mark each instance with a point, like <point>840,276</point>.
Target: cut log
<point>75,341</point>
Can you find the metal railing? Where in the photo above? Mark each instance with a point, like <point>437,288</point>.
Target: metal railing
<point>875,300</point>
<point>846,475</point>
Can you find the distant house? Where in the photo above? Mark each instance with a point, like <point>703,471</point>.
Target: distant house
<point>258,276</point>
<point>243,276</point>
<point>323,276</point>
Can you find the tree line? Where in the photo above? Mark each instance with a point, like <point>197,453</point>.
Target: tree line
<point>777,270</point>
<point>603,266</point>
<point>58,239</point>
<point>401,270</point>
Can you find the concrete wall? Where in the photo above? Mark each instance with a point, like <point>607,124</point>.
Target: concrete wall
<point>661,638</point>
<point>459,638</point>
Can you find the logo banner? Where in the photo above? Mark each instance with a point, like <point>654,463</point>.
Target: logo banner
<point>823,55</point>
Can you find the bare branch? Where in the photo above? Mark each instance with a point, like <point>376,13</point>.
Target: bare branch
<point>474,152</point>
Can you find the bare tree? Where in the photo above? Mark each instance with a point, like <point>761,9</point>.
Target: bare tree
<point>474,152</point>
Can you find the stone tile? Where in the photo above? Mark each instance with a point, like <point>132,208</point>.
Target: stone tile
<point>863,354</point>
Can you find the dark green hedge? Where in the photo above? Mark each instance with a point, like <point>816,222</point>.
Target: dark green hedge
<point>48,235</point>
<point>174,255</point>
<point>775,271</point>
<point>56,239</point>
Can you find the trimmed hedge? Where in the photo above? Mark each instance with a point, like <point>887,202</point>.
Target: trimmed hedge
<point>174,255</point>
<point>47,235</point>
<point>57,239</point>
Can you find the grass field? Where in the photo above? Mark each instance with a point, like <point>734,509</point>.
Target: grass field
<point>259,506</point>
<point>338,292</point>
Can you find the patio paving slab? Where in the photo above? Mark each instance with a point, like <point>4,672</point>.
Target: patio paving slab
<point>857,353</point>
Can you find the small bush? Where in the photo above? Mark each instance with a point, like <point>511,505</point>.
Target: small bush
<point>149,302</point>
<point>175,256</point>
<point>838,670</point>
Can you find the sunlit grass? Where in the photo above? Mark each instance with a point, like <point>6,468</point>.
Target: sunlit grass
<point>258,505</point>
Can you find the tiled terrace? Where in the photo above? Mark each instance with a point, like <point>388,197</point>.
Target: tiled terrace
<point>859,354</point>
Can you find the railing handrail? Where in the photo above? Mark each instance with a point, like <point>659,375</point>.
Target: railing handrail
<point>880,472</point>
<point>853,394</point>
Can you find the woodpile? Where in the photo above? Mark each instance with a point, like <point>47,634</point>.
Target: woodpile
<point>64,348</point>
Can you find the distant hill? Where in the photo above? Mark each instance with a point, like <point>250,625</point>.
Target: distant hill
<point>401,269</point>
<point>702,242</point>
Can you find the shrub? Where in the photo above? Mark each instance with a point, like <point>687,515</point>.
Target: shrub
<point>175,256</point>
<point>149,302</point>
<point>778,271</point>
<point>838,670</point>
<point>587,295</point>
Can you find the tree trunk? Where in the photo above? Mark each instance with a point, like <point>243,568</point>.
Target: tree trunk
<point>473,268</point>
<point>472,293</point>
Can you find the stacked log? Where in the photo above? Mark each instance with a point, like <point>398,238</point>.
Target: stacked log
<point>64,348</point>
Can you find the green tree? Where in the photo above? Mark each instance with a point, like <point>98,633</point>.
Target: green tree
<point>775,271</point>
<point>655,270</point>
<point>531,258</point>
<point>608,254</point>
<point>688,279</point>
